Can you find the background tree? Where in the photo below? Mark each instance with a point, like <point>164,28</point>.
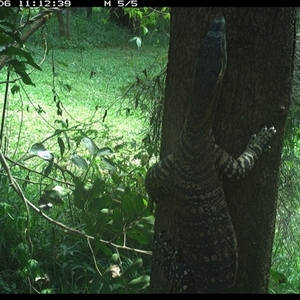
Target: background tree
<point>61,23</point>
<point>256,91</point>
<point>140,20</point>
<point>89,12</point>
<point>64,25</point>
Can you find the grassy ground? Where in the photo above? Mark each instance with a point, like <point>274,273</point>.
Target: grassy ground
<point>82,98</point>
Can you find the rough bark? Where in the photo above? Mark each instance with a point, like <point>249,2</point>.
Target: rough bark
<point>256,91</point>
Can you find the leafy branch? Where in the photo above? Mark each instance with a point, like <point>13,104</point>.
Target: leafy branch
<point>37,21</point>
<point>67,229</point>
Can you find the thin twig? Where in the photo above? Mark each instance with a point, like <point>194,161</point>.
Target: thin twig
<point>94,258</point>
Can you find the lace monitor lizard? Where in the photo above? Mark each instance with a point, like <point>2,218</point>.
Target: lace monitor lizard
<point>206,234</point>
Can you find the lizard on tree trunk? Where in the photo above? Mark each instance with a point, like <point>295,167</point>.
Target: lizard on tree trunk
<point>206,234</point>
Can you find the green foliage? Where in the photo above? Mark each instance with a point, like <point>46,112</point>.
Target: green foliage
<point>85,34</point>
<point>98,32</point>
<point>10,37</point>
<point>149,15</point>
<point>74,214</point>
<point>109,203</point>
<point>146,93</point>
<point>151,21</point>
<point>286,263</point>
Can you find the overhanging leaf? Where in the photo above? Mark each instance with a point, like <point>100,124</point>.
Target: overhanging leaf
<point>140,232</point>
<point>62,63</point>
<point>99,226</point>
<point>117,224</point>
<point>15,89</point>
<point>39,150</point>
<point>94,284</point>
<point>139,42</point>
<point>8,24</point>
<point>115,177</point>
<point>133,39</point>
<point>56,191</point>
<point>109,164</point>
<point>67,87</point>
<point>100,245</point>
<point>278,277</point>
<point>139,203</point>
<point>131,269</point>
<point>61,145</point>
<point>53,194</point>
<point>97,204</point>
<point>19,68</point>
<point>148,220</point>
<point>140,282</point>
<point>22,53</point>
<point>44,204</point>
<point>53,201</point>
<point>4,41</point>
<point>145,30</point>
<point>48,169</point>
<point>104,151</point>
<point>79,161</point>
<point>128,208</point>
<point>90,145</point>
<point>15,37</point>
<point>114,259</point>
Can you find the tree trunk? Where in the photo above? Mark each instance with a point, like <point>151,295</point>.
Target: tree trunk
<point>116,15</point>
<point>256,91</point>
<point>68,31</point>
<point>61,24</point>
<point>89,13</point>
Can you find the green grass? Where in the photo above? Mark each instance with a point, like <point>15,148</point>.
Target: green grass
<point>82,97</point>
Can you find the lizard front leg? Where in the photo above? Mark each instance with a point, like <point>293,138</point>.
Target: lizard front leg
<point>240,167</point>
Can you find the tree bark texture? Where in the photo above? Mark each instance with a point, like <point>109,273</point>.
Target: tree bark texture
<point>256,91</point>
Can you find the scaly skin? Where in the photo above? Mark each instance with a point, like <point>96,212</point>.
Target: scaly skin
<point>208,255</point>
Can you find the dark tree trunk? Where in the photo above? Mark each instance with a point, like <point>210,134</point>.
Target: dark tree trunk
<point>68,31</point>
<point>256,91</point>
<point>61,23</point>
<point>89,13</point>
<point>64,25</point>
<point>117,16</point>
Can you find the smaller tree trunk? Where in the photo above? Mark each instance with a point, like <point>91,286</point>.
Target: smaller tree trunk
<point>89,13</point>
<point>61,24</point>
<point>68,23</point>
